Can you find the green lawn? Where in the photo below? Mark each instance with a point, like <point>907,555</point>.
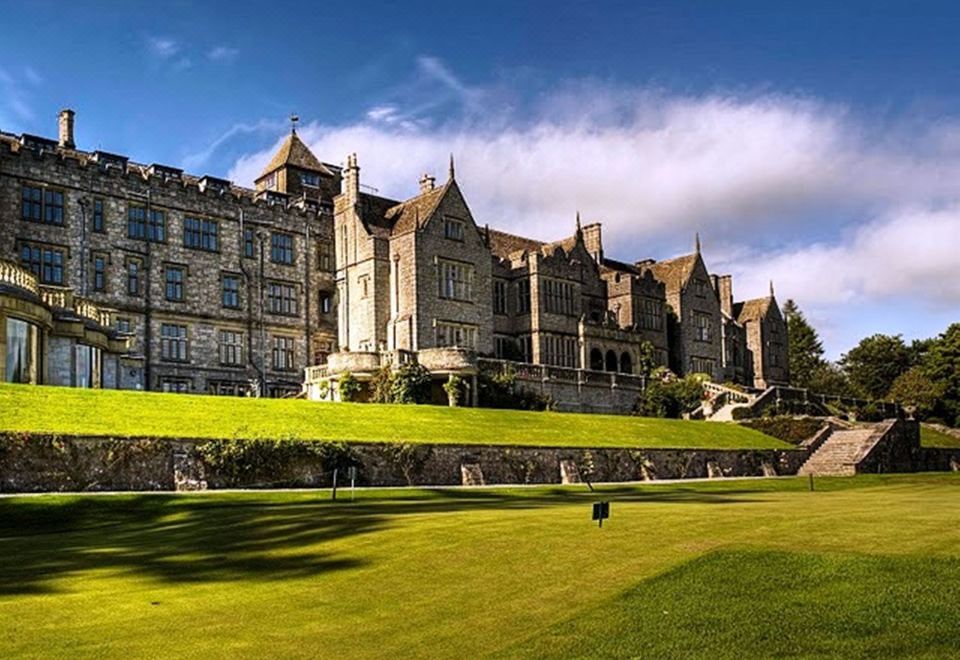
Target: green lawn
<point>866,567</point>
<point>931,437</point>
<point>111,412</point>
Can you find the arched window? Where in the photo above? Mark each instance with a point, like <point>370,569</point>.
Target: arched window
<point>626,364</point>
<point>611,361</point>
<point>596,359</point>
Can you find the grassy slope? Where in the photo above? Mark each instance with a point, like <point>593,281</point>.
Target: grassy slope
<point>862,567</point>
<point>931,437</point>
<point>106,412</point>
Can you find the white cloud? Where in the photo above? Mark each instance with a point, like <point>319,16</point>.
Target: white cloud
<point>836,210</point>
<point>222,54</point>
<point>163,47</point>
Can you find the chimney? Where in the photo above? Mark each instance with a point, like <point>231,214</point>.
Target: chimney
<point>724,286</point>
<point>427,183</point>
<point>351,180</point>
<point>593,241</point>
<point>65,125</point>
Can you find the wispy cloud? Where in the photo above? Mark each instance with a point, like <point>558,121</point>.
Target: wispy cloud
<point>31,76</point>
<point>163,48</point>
<point>842,213</point>
<point>15,94</point>
<point>222,54</point>
<point>200,159</point>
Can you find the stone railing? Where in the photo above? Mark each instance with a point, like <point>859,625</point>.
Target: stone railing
<point>731,395</point>
<point>89,310</point>
<point>353,361</point>
<point>315,373</point>
<point>448,359</point>
<point>15,275</point>
<point>547,373</point>
<point>56,297</point>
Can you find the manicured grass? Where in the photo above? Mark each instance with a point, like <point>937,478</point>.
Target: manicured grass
<point>867,566</point>
<point>109,412</point>
<point>931,437</point>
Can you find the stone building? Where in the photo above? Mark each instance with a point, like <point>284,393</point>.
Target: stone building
<point>211,287</point>
<point>221,289</point>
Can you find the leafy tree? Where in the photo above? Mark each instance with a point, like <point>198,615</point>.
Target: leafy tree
<point>942,365</point>
<point>828,378</point>
<point>671,398</point>
<point>914,389</point>
<point>874,363</point>
<point>805,350</point>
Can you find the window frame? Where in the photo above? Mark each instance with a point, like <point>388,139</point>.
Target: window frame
<point>282,254</point>
<point>174,347</point>
<point>179,286</point>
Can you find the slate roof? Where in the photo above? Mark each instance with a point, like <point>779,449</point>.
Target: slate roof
<point>373,213</point>
<point>751,310</point>
<point>293,152</point>
<point>414,213</point>
<point>503,244</point>
<point>674,272</point>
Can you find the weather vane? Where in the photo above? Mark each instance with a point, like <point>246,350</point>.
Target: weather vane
<point>293,123</point>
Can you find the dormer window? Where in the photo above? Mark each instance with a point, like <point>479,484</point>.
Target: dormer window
<point>453,229</point>
<point>310,179</point>
<point>700,287</point>
<point>270,181</point>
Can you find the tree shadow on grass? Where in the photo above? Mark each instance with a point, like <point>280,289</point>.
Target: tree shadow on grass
<point>247,536</point>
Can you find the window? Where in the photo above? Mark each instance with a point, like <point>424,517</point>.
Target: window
<point>701,365</point>
<point>44,262</point>
<point>283,353</point>
<point>270,181</point>
<point>651,314</point>
<point>146,225</point>
<point>281,298</point>
<point>99,272</point>
<point>124,325</point>
<point>456,334</point>
<point>456,280</point>
<point>702,326</point>
<point>523,296</point>
<point>326,303</point>
<point>31,206</point>
<point>227,387</point>
<point>558,297</point>
<point>41,205</point>
<point>231,347</point>
<point>310,179</point>
<point>133,276</point>
<point>98,217</point>
<point>177,385</point>
<point>559,351</point>
<point>87,366</point>
<point>173,277</point>
<point>499,297</point>
<point>248,242</point>
<point>200,234</point>
<point>700,287</point>
<point>22,351</point>
<point>173,342</point>
<point>281,248</point>
<point>526,348</point>
<point>453,229</point>
<point>231,291</point>
<point>505,348</point>
<point>325,255</point>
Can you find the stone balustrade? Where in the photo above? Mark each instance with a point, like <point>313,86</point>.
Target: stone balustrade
<point>15,275</point>
<point>444,360</point>
<point>353,361</point>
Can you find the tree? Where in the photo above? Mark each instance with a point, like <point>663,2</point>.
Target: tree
<point>914,389</point>
<point>828,378</point>
<point>805,350</point>
<point>941,364</point>
<point>874,363</point>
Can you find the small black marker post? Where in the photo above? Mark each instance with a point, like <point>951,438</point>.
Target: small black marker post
<point>811,483</point>
<point>334,492</point>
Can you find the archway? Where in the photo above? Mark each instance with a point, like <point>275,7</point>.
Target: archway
<point>626,364</point>
<point>596,359</point>
<point>611,361</point>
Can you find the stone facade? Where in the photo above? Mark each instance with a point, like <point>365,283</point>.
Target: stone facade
<point>220,286</point>
<point>223,288</point>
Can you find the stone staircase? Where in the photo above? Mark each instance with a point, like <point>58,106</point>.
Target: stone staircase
<point>839,454</point>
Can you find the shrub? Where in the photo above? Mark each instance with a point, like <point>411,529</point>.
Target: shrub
<point>349,386</point>
<point>789,429</point>
<point>671,398</point>
<point>500,390</point>
<point>410,383</point>
<point>264,462</point>
<point>453,387</point>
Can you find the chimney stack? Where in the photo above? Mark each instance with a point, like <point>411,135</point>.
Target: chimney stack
<point>427,183</point>
<point>593,241</point>
<point>65,124</point>
<point>351,179</point>
<point>724,287</point>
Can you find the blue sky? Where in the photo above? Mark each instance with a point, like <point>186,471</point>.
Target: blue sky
<point>817,145</point>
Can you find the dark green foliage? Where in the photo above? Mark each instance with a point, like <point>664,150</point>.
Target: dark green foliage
<point>874,363</point>
<point>828,378</point>
<point>348,386</point>
<point>804,347</point>
<point>409,383</point>
<point>915,390</point>
<point>240,462</point>
<point>671,398</point>
<point>454,389</point>
<point>500,390</point>
<point>789,429</point>
<point>941,364</point>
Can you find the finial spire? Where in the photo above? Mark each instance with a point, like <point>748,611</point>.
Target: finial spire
<point>293,123</point>
<point>771,288</point>
<point>579,229</point>
<point>451,166</point>
<point>697,242</point>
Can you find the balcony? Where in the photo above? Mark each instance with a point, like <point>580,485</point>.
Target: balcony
<point>14,275</point>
